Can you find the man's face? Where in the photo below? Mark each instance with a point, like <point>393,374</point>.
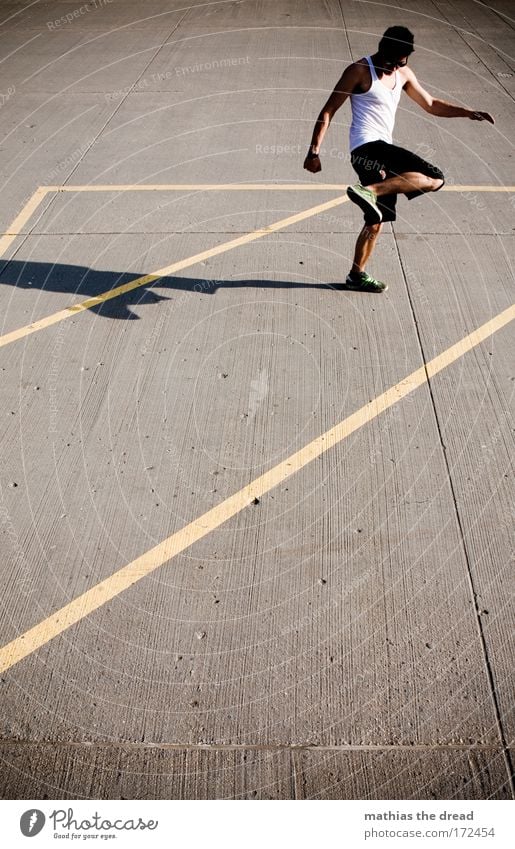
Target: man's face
<point>390,65</point>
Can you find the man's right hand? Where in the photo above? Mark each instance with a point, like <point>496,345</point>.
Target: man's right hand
<point>482,116</point>
<point>313,164</point>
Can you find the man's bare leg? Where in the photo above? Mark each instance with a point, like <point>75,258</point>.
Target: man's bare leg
<point>364,246</point>
<point>403,184</point>
<point>410,183</point>
<point>357,278</point>
<point>406,183</point>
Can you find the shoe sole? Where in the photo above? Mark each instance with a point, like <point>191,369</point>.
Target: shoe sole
<point>364,205</point>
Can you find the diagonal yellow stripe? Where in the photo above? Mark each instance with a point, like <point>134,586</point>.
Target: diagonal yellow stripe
<point>14,229</point>
<point>133,572</point>
<point>56,317</point>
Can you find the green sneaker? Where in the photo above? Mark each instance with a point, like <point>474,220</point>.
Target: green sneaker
<point>366,199</point>
<point>363,282</point>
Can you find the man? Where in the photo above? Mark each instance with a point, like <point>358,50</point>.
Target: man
<point>374,85</point>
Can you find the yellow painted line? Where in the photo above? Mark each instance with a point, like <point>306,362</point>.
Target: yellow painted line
<point>478,188</point>
<point>244,187</point>
<point>49,320</point>
<point>143,566</point>
<point>203,187</point>
<point>61,315</point>
<point>14,229</point>
<point>39,194</point>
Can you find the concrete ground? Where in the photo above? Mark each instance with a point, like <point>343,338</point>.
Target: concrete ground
<point>176,625</point>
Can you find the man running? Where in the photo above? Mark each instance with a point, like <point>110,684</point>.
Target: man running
<point>374,85</point>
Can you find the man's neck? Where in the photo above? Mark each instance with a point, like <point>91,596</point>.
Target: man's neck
<point>378,61</point>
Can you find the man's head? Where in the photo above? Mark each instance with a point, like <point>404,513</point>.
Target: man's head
<point>395,47</point>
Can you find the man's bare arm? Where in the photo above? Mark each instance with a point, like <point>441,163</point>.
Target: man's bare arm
<point>342,90</point>
<point>435,106</point>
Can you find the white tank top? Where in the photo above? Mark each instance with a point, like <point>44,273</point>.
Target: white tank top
<point>373,113</point>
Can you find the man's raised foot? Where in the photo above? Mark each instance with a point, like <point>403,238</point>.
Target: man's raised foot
<point>366,199</point>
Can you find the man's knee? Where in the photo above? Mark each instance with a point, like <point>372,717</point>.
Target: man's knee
<point>437,178</point>
<point>373,230</point>
<point>437,183</point>
<point>430,183</point>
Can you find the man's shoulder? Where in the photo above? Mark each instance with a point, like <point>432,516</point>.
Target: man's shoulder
<point>359,66</point>
<point>407,75</point>
<point>356,73</point>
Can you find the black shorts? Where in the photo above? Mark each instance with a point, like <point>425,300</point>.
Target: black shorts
<point>368,160</point>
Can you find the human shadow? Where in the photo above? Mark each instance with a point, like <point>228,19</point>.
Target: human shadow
<point>83,283</point>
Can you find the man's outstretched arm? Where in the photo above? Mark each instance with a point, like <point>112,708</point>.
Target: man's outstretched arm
<point>342,90</point>
<point>440,108</point>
